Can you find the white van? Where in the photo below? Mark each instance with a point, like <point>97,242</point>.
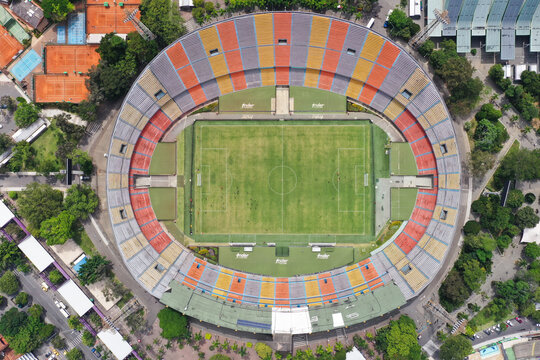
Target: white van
<point>64,312</point>
<point>370,23</point>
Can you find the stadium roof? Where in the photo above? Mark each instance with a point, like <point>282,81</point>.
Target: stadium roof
<point>75,297</point>
<point>464,26</point>
<point>493,34</point>
<point>454,8</point>
<point>535,31</point>
<point>36,253</point>
<point>480,17</point>
<point>523,24</point>
<point>5,214</point>
<point>508,35</point>
<point>432,5</point>
<point>116,343</point>
<point>213,310</point>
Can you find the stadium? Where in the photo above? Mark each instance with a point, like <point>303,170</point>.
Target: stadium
<point>291,187</point>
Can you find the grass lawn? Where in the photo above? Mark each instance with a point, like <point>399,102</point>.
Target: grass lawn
<point>381,158</point>
<point>491,183</point>
<point>402,160</point>
<point>249,100</point>
<point>291,182</point>
<point>163,160</point>
<point>46,146</point>
<point>301,260</point>
<point>164,202</point>
<point>402,203</point>
<point>82,239</point>
<point>317,100</point>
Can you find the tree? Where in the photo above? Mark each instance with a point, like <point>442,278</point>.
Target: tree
<point>472,227</point>
<point>473,274</point>
<point>56,277</point>
<point>453,291</point>
<point>480,162</point>
<point>81,201</point>
<point>264,351</point>
<point>94,269</point>
<point>515,199</point>
<point>8,283</point>
<point>526,218</point>
<point>142,50</point>
<point>401,25</point>
<point>72,132</point>
<point>173,324</point>
<point>488,111</point>
<point>489,136</point>
<point>39,202</point>
<point>529,198</point>
<point>35,310</point>
<point>510,291</point>
<point>504,241</point>
<point>21,299</point>
<point>399,340</point>
<point>521,164</point>
<point>12,321</point>
<point>532,250</point>
<point>163,19</point>
<point>74,354</point>
<point>496,73</point>
<point>57,10</point>
<point>110,81</point>
<point>26,114</point>
<point>82,159</point>
<point>23,157</point>
<point>10,255</point>
<point>59,342</point>
<point>426,48</point>
<point>112,48</point>
<point>455,348</point>
<point>74,323</point>
<point>88,339</point>
<point>59,229</point>
<point>5,142</point>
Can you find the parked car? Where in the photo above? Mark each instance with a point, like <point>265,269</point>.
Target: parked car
<point>96,353</point>
<point>519,320</point>
<point>44,286</point>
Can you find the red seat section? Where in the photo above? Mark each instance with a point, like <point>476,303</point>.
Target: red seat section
<point>151,229</point>
<point>376,76</point>
<point>426,161</point>
<point>367,94</point>
<point>336,37</point>
<point>160,242</point>
<point>140,162</point>
<point>139,201</point>
<point>426,201</point>
<point>144,146</point>
<point>326,285</point>
<point>375,283</point>
<point>144,215</point>
<point>330,61</point>
<point>282,76</point>
<point>325,80</point>
<point>388,54</point>
<point>422,216</point>
<point>413,132</point>
<point>234,61</point>
<point>282,296</point>
<point>282,27</point>
<point>194,274</point>
<point>161,120</point>
<point>188,77</point>
<point>197,94</point>
<point>236,291</point>
<point>239,81</point>
<point>421,146</point>
<point>177,55</point>
<point>152,133</point>
<point>227,35</point>
<point>405,243</point>
<point>282,60</point>
<point>405,120</point>
<point>368,271</point>
<point>414,230</point>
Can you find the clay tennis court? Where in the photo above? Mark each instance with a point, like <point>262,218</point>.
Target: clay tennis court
<point>9,45</point>
<point>103,20</point>
<point>57,88</point>
<point>101,2</point>
<point>70,58</point>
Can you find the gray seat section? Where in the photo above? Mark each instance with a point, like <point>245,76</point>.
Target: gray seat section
<point>250,58</point>
<point>427,98</point>
<point>297,76</point>
<point>299,55</point>
<point>193,47</point>
<point>203,70</point>
<point>253,78</point>
<point>140,100</point>
<point>380,101</point>
<point>301,28</point>
<point>245,29</point>
<point>163,70</point>
<point>402,70</point>
<point>340,84</point>
<point>211,89</point>
<point>346,64</point>
<point>184,101</point>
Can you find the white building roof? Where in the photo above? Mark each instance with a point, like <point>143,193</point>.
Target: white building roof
<point>531,235</point>
<point>291,321</point>
<point>36,253</point>
<point>5,214</point>
<point>75,297</point>
<point>116,343</point>
<point>354,354</point>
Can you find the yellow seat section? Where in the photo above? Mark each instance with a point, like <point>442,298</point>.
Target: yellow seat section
<point>355,276</point>
<point>133,116</point>
<point>355,86</point>
<point>264,27</point>
<point>422,120</point>
<point>436,114</point>
<point>436,249</point>
<point>361,289</point>
<point>149,83</point>
<point>116,216</point>
<point>394,254</point>
<point>449,181</point>
<point>372,46</point>
<point>424,240</point>
<point>210,39</point>
<point>223,281</point>
<point>445,215</point>
<point>132,246</point>
<point>219,65</point>
<point>415,83</point>
<point>117,181</point>
<point>118,144</point>
<point>225,84</point>
<point>219,293</point>
<point>150,278</point>
<point>449,146</point>
<point>171,252</point>
<point>319,31</point>
<point>362,70</point>
<point>414,277</point>
<point>312,286</point>
<point>312,78</point>
<point>171,109</point>
<point>266,56</point>
<point>268,289</point>
<point>393,110</point>
<point>268,77</point>
<point>315,58</point>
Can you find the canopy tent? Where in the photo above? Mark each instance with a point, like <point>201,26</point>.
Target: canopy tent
<point>36,253</point>
<point>116,343</point>
<point>5,215</point>
<point>75,297</point>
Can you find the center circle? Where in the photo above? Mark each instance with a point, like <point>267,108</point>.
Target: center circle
<point>282,180</point>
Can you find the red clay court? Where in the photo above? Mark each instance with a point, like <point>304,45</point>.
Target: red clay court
<point>9,47</point>
<point>58,88</point>
<point>70,58</point>
<point>103,20</point>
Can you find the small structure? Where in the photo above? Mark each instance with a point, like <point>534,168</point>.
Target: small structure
<point>36,253</point>
<point>185,4</point>
<point>116,343</point>
<point>68,252</point>
<point>5,215</point>
<point>30,13</point>
<point>531,235</point>
<point>75,297</point>
<point>354,354</point>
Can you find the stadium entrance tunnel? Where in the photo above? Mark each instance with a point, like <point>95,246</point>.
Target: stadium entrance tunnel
<point>319,52</point>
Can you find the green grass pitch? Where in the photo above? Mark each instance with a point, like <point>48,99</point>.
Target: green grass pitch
<point>163,202</point>
<point>402,203</point>
<point>249,100</point>
<point>317,100</point>
<point>402,161</point>
<point>287,182</point>
<point>164,159</point>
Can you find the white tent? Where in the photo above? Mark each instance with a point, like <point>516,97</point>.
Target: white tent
<point>116,343</point>
<point>531,235</point>
<point>36,253</point>
<point>291,321</point>
<point>5,214</point>
<point>75,297</point>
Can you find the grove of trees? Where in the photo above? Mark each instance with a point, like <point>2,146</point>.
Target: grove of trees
<point>57,10</point>
<point>24,332</point>
<point>173,324</point>
<point>94,269</point>
<point>398,340</point>
<point>402,26</point>
<point>26,114</point>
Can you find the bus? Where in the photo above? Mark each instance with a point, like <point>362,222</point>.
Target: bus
<point>370,23</point>
<point>415,9</point>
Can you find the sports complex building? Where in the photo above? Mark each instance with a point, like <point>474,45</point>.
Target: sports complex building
<point>282,175</point>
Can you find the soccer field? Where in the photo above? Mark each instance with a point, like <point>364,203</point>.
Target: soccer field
<point>286,182</point>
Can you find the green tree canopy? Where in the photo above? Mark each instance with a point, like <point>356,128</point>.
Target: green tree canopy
<point>517,292</point>
<point>173,324</point>
<point>88,339</point>
<point>8,283</point>
<point>480,162</point>
<point>112,48</point>
<point>12,321</point>
<point>474,274</point>
<point>142,50</point>
<point>59,229</point>
<point>515,199</point>
<point>82,159</point>
<point>399,340</point>
<point>401,25</point>
<point>426,48</point>
<point>488,111</point>
<point>10,255</point>
<point>26,114</point>
<point>56,277</point>
<point>74,323</point>
<point>455,348</point>
<point>489,136</point>
<point>472,227</point>
<point>526,218</point>
<point>75,354</point>
<point>57,10</point>
<point>453,291</point>
<point>163,18</point>
<point>81,201</point>
<point>24,157</point>
<point>5,142</point>
<point>522,164</point>
<point>39,202</point>
<point>532,250</point>
<point>94,269</point>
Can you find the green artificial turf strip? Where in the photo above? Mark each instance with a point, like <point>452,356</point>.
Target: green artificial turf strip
<point>301,260</point>
<point>276,179</point>
<point>250,100</point>
<point>164,203</point>
<point>46,145</point>
<point>402,161</point>
<point>164,159</point>
<point>402,203</point>
<point>317,100</point>
<point>382,160</point>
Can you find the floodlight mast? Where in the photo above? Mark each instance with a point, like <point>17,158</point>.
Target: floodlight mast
<point>418,39</point>
<point>141,28</point>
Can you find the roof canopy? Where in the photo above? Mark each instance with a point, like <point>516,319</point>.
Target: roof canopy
<point>116,343</point>
<point>291,321</point>
<point>75,297</point>
<point>36,253</point>
<point>531,235</point>
<point>5,214</point>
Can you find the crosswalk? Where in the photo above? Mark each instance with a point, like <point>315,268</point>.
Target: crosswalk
<point>74,341</point>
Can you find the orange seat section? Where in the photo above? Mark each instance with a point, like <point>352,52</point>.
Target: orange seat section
<point>388,54</point>
<point>177,55</point>
<point>227,35</point>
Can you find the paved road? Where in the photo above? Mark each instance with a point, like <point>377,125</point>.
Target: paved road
<point>31,284</point>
